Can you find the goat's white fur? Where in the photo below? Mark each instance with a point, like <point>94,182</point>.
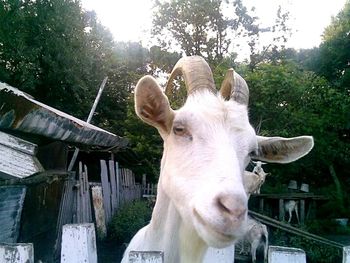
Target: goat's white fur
<point>253,181</point>
<point>290,206</point>
<point>201,200</point>
<point>256,231</point>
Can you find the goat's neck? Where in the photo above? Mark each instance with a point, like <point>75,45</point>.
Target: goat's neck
<point>170,234</point>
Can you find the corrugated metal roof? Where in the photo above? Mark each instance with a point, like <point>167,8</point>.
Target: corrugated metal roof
<point>11,205</point>
<point>20,112</point>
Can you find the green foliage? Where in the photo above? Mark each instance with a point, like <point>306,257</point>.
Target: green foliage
<point>60,54</point>
<point>327,227</point>
<point>128,220</point>
<point>315,252</point>
<point>286,100</point>
<point>335,49</point>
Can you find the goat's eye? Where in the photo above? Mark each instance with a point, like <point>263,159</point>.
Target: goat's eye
<point>179,130</point>
<point>253,153</point>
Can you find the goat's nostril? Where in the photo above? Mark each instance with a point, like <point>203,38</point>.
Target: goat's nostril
<point>240,213</point>
<point>232,205</point>
<point>222,206</point>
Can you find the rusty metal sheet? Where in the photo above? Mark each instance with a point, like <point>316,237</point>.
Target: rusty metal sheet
<point>20,112</point>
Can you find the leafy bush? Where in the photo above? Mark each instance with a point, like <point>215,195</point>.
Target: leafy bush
<point>128,220</point>
<point>327,227</point>
<point>315,252</point>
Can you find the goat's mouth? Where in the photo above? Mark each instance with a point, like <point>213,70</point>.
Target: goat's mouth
<point>220,238</point>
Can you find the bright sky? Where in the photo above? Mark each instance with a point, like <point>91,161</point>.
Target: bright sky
<point>130,20</point>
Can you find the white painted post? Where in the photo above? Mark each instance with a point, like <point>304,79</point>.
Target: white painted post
<point>16,253</point>
<point>346,254</point>
<point>224,255</point>
<point>286,255</point>
<point>146,257</point>
<point>79,243</point>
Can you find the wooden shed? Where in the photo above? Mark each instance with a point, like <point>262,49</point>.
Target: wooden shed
<point>36,190</point>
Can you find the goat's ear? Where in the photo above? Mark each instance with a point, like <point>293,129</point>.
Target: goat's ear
<point>283,150</point>
<point>152,106</point>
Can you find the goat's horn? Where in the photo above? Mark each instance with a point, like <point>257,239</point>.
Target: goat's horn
<point>196,73</point>
<point>235,88</point>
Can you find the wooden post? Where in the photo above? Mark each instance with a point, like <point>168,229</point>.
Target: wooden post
<point>97,200</point>
<point>346,254</point>
<point>113,187</point>
<point>261,205</point>
<point>106,190</point>
<point>88,195</point>
<point>79,243</point>
<point>224,255</point>
<point>281,210</point>
<point>146,257</point>
<point>117,181</point>
<point>16,253</point>
<point>144,180</point>
<point>286,255</point>
<point>302,211</point>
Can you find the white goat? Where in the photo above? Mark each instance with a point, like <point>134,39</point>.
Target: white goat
<point>257,235</point>
<point>251,182</point>
<point>262,175</point>
<point>258,167</point>
<point>290,206</point>
<point>208,143</point>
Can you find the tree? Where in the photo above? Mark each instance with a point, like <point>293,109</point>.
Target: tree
<point>60,54</point>
<point>334,56</point>
<point>189,22</point>
<point>42,48</point>
<point>200,27</point>
<point>290,101</point>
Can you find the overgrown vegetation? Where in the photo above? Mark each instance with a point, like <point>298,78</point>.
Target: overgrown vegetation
<point>129,219</point>
<point>315,251</point>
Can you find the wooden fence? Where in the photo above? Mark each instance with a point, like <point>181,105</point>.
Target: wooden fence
<point>148,190</point>
<point>95,202</point>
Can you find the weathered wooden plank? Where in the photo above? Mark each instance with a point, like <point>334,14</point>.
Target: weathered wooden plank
<point>224,255</point>
<point>16,164</point>
<point>278,254</point>
<point>80,204</point>
<point>281,209</point>
<point>88,195</point>
<point>114,203</point>
<point>146,257</point>
<point>100,217</point>
<point>65,212</point>
<point>117,177</point>
<point>17,144</point>
<point>302,211</point>
<point>106,190</point>
<point>261,206</point>
<point>79,243</point>
<point>16,253</point>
